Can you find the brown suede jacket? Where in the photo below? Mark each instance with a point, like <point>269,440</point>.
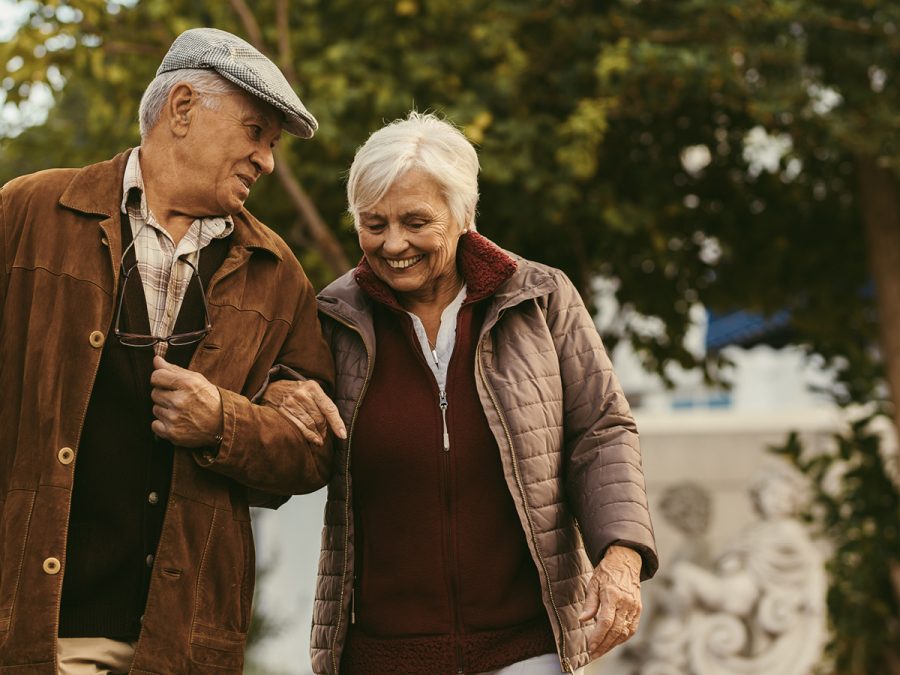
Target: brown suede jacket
<point>60,245</point>
<point>567,440</point>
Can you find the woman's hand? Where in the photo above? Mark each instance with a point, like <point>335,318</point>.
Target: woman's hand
<point>614,598</point>
<point>308,407</point>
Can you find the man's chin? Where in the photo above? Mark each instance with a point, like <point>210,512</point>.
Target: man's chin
<point>232,207</point>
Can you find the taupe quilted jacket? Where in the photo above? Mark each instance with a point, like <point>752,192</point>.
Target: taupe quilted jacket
<point>569,446</point>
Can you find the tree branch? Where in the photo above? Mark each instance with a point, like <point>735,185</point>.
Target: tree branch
<point>285,57</point>
<point>319,232</point>
<point>316,229</point>
<point>250,24</point>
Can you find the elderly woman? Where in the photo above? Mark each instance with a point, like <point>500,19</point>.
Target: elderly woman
<point>488,511</point>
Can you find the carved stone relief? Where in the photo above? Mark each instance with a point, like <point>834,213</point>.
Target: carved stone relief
<point>758,610</point>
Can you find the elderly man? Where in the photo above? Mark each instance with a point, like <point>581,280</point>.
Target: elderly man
<point>141,306</point>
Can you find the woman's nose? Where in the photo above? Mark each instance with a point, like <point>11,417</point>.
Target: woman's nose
<point>394,240</point>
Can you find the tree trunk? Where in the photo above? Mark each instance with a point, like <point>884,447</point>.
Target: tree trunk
<point>880,204</point>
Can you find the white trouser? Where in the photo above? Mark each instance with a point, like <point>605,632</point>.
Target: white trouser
<point>546,664</point>
<point>93,656</point>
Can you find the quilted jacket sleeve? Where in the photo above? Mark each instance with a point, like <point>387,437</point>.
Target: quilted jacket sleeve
<point>604,478</point>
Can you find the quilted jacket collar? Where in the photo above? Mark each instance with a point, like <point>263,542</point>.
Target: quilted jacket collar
<point>490,272</point>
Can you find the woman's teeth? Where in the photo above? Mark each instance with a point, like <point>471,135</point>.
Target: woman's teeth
<point>403,264</point>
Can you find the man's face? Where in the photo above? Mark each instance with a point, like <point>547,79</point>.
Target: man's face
<point>225,150</point>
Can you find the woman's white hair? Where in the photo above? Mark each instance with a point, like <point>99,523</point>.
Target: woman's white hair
<point>421,141</point>
<point>208,84</point>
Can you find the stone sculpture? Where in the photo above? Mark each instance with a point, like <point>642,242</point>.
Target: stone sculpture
<point>759,611</point>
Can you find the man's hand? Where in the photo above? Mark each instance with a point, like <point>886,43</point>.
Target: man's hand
<point>187,406</point>
<point>308,407</point>
<point>614,598</point>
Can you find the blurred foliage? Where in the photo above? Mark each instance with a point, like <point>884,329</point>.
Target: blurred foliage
<point>852,492</point>
<point>582,111</point>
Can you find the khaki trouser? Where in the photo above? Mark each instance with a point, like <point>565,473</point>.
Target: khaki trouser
<point>93,656</point>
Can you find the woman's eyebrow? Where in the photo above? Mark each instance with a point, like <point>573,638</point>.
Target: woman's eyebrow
<point>414,213</point>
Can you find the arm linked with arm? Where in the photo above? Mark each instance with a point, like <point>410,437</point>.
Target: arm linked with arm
<point>604,476</point>
<point>261,447</point>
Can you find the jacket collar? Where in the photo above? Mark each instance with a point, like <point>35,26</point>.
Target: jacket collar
<point>482,264</point>
<point>504,278</point>
<point>97,190</point>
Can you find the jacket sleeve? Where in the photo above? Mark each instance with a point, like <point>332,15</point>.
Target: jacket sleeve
<point>261,448</point>
<point>604,478</point>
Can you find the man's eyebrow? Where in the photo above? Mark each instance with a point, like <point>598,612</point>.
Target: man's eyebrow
<point>259,117</point>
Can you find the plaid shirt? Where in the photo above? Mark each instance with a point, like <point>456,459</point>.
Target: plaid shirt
<point>164,274</point>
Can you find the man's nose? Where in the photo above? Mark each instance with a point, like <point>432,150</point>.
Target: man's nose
<point>264,160</point>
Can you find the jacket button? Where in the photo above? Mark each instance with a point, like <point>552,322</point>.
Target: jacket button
<point>149,560</point>
<point>51,566</point>
<point>97,339</point>
<point>66,455</point>
<point>153,498</point>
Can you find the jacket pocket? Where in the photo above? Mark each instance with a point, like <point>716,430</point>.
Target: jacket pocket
<point>14,525</point>
<point>218,648</point>
<point>224,593</point>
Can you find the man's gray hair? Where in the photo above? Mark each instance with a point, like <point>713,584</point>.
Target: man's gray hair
<point>422,141</point>
<point>209,84</point>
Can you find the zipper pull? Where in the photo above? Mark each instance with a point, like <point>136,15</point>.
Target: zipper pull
<point>353,604</point>
<point>444,404</point>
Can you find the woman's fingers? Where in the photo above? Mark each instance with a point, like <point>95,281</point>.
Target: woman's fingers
<point>308,407</point>
<point>330,412</point>
<point>614,598</point>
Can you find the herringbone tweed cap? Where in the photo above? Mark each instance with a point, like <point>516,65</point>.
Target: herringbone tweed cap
<point>241,63</point>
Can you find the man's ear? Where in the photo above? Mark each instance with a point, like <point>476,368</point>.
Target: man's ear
<point>181,104</point>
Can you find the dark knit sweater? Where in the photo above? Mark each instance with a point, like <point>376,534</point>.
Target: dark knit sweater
<point>122,472</point>
<point>444,578</point>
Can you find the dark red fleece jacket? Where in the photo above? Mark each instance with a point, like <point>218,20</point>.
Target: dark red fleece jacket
<point>445,582</point>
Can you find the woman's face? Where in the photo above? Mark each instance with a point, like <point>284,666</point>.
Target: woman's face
<point>410,238</point>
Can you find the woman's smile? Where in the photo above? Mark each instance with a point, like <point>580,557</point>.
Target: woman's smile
<point>403,263</point>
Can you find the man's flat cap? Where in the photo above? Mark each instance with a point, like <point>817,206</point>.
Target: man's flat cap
<point>241,63</point>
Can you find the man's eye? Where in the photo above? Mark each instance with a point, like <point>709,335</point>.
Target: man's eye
<point>255,132</point>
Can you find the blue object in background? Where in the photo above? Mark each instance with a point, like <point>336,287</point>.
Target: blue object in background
<point>746,329</point>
